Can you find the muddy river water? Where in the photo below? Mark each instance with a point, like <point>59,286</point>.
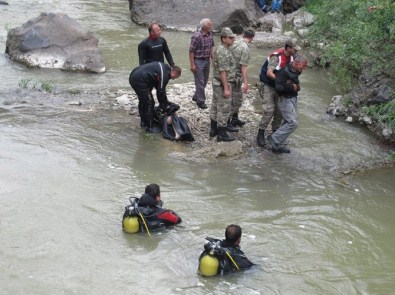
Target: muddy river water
<point>65,177</point>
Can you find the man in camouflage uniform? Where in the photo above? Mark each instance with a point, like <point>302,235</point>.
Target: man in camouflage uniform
<point>241,54</point>
<point>275,61</point>
<point>224,72</point>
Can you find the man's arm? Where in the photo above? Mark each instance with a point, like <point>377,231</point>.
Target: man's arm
<point>273,61</point>
<point>224,80</point>
<point>244,76</point>
<point>192,61</point>
<point>167,53</point>
<point>169,217</point>
<point>283,83</point>
<point>142,52</point>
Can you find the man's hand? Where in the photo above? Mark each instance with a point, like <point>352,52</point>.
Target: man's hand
<point>226,93</point>
<point>245,88</point>
<point>193,68</point>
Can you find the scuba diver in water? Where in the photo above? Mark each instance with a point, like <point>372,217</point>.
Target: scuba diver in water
<point>222,257</point>
<point>146,214</point>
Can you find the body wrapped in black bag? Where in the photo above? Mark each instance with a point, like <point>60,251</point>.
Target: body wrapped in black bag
<point>173,127</point>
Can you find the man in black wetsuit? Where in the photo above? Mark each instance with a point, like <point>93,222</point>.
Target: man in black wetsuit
<point>154,47</point>
<point>143,79</point>
<point>228,251</point>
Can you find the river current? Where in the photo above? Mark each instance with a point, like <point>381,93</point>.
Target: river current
<point>66,175</point>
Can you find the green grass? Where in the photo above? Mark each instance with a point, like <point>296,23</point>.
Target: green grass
<point>24,83</point>
<point>355,38</point>
<point>384,113</point>
<point>44,85</point>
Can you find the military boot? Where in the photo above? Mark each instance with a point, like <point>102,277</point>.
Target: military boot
<point>231,128</point>
<point>236,121</point>
<point>222,135</point>
<point>260,139</point>
<point>213,128</point>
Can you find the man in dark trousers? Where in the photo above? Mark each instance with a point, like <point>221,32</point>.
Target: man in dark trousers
<point>154,47</point>
<point>145,78</point>
<point>201,50</point>
<point>287,86</point>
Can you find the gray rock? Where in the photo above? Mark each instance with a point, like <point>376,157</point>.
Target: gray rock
<point>187,14</point>
<point>55,41</point>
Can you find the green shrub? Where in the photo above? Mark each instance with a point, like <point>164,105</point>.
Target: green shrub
<point>355,38</point>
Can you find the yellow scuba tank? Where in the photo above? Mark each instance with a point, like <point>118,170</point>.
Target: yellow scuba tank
<point>208,265</point>
<point>131,224</point>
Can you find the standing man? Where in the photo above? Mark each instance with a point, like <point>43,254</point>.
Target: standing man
<point>275,61</point>
<point>287,86</point>
<point>145,78</point>
<point>224,73</point>
<point>154,47</point>
<point>200,51</point>
<point>241,54</point>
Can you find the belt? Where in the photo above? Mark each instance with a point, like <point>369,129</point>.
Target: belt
<point>202,58</point>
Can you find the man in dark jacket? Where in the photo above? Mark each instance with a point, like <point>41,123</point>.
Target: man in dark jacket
<point>154,47</point>
<point>150,206</point>
<point>228,251</point>
<point>267,88</point>
<point>145,78</point>
<point>287,86</point>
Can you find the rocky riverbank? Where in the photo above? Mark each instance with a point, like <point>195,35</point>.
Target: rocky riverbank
<point>199,121</point>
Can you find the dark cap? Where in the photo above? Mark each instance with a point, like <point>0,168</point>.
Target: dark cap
<point>249,32</point>
<point>237,29</point>
<point>227,32</point>
<point>292,44</point>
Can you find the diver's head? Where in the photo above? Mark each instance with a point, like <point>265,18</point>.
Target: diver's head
<point>233,234</point>
<point>153,190</point>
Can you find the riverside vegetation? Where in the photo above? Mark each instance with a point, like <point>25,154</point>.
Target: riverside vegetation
<point>357,41</point>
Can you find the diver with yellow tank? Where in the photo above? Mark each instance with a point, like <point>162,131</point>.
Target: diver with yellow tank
<point>224,256</point>
<point>145,214</point>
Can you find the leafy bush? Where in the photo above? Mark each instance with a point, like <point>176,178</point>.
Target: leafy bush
<point>354,37</point>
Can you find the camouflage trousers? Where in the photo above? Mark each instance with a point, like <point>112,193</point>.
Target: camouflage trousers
<point>237,97</point>
<point>270,107</point>
<point>220,106</point>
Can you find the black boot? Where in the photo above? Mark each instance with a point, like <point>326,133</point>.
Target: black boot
<point>260,139</point>
<point>222,135</point>
<point>213,128</point>
<point>236,121</point>
<point>229,127</point>
<point>149,120</point>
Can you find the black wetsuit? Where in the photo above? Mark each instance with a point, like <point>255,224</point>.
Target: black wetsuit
<point>150,50</point>
<point>155,217</point>
<point>226,265</point>
<point>237,255</point>
<point>145,78</point>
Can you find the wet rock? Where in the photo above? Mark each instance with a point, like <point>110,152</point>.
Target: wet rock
<point>55,41</point>
<point>382,96</point>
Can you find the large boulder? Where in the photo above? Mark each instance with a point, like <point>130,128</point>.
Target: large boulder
<point>55,41</point>
<point>186,14</point>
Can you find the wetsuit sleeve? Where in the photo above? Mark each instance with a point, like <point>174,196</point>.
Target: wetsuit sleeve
<point>163,79</point>
<point>142,52</point>
<point>167,53</point>
<point>168,217</point>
